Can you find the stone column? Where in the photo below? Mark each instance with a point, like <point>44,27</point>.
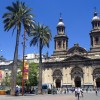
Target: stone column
<point>82,82</point>
<point>61,44</point>
<point>54,83</point>
<point>94,83</point>
<point>61,83</point>
<point>55,45</point>
<point>85,75</point>
<point>64,75</point>
<point>69,75</point>
<point>73,84</point>
<point>90,75</point>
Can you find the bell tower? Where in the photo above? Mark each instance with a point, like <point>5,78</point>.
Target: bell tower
<point>95,33</point>
<point>61,39</point>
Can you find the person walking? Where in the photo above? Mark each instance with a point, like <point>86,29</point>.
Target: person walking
<point>96,91</point>
<point>75,92</point>
<point>67,90</point>
<point>78,92</point>
<point>81,92</point>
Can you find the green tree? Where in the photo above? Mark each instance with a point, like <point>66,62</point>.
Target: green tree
<point>18,15</point>
<point>6,80</point>
<point>41,36</point>
<point>32,75</point>
<point>19,77</point>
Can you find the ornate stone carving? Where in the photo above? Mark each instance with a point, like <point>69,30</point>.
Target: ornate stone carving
<point>57,74</point>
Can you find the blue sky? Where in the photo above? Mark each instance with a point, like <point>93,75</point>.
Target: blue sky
<point>76,14</point>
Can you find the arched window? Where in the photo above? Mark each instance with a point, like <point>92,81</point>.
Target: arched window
<point>76,72</point>
<point>57,74</point>
<point>96,40</point>
<point>59,44</point>
<point>63,43</point>
<point>96,73</point>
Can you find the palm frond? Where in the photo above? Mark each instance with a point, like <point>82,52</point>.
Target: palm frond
<point>14,5</point>
<point>14,29</point>
<point>11,9</point>
<point>6,20</point>
<point>7,15</point>
<point>34,41</point>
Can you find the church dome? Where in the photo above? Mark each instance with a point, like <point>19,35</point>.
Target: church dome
<point>60,23</point>
<point>96,17</point>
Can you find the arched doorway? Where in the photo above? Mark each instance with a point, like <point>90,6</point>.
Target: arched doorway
<point>57,77</point>
<point>77,81</point>
<point>77,76</point>
<point>58,83</point>
<point>98,82</point>
<point>96,76</point>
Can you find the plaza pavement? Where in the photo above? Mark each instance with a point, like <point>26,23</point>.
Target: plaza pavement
<point>39,97</point>
<point>70,96</point>
<point>90,96</point>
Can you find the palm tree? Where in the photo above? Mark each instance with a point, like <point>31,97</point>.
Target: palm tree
<point>41,36</point>
<point>18,15</point>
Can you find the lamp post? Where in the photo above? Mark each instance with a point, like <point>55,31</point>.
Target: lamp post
<point>23,43</point>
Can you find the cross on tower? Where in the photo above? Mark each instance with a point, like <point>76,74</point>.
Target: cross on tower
<point>60,15</point>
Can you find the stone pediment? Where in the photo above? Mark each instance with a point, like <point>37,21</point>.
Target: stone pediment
<point>76,49</point>
<point>76,58</point>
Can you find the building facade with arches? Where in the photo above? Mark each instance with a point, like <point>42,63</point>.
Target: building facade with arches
<point>74,67</point>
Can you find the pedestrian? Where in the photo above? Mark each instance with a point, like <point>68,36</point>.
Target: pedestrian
<point>16,91</point>
<point>81,92</point>
<point>75,92</point>
<point>87,89</point>
<point>64,90</point>
<point>96,91</point>
<point>67,90</point>
<point>78,92</point>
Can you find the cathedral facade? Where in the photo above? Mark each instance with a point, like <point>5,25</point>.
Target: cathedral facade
<point>74,67</point>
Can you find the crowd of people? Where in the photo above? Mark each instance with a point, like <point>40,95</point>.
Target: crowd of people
<point>18,90</point>
<point>78,91</point>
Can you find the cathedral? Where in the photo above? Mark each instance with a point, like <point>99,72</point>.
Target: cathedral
<point>74,67</point>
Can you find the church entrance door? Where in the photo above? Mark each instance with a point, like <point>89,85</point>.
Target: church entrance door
<point>58,83</point>
<point>77,82</point>
<point>98,82</point>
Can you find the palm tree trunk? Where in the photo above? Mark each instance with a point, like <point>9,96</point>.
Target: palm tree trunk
<point>23,62</point>
<point>14,66</point>
<point>40,69</point>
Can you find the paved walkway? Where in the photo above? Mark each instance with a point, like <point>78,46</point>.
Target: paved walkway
<point>87,96</point>
<point>39,97</point>
<point>90,96</point>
